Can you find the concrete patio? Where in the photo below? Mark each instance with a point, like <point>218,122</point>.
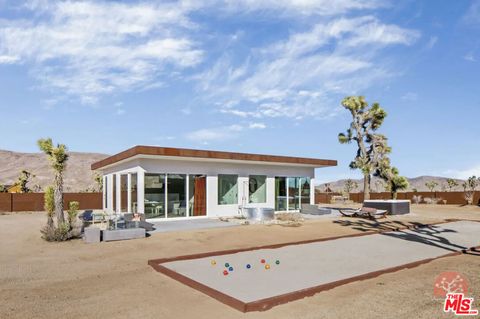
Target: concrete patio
<point>190,224</point>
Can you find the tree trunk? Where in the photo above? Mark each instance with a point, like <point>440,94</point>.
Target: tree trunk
<point>50,222</point>
<point>58,195</point>
<point>366,187</point>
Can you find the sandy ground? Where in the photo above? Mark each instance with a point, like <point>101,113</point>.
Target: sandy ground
<point>112,280</point>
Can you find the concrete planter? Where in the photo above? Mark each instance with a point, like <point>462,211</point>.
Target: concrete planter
<point>394,207</point>
<point>91,235</point>
<point>123,234</point>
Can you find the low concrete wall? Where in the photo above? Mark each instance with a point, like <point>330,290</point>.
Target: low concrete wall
<point>456,198</point>
<point>35,201</point>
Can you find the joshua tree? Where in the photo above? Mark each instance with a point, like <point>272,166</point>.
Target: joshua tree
<point>469,187</point>
<point>431,185</point>
<point>58,157</point>
<point>349,186</point>
<point>3,189</point>
<point>451,183</point>
<point>49,205</point>
<point>379,185</point>
<point>327,188</point>
<point>23,179</point>
<point>366,120</point>
<point>99,180</point>
<point>394,181</point>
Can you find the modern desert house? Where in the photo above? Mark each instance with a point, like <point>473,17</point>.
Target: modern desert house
<point>172,183</point>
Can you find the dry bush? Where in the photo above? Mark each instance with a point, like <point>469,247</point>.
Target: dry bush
<point>289,217</point>
<point>417,199</point>
<point>60,233</point>
<point>432,200</point>
<point>469,197</point>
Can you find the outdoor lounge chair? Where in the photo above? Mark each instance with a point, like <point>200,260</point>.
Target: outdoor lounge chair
<point>87,216</point>
<point>365,212</point>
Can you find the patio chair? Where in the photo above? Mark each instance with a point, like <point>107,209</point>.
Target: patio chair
<point>86,216</point>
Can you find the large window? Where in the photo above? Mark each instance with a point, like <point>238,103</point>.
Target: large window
<point>257,189</point>
<point>227,189</point>
<point>154,195</point>
<point>176,198</point>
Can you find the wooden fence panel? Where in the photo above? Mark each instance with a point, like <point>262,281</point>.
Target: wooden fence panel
<point>35,201</point>
<point>5,202</point>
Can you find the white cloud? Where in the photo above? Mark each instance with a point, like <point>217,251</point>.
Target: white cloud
<point>431,42</point>
<point>304,75</point>
<point>121,112</point>
<point>470,57</point>
<point>8,59</point>
<point>92,48</point>
<point>410,96</point>
<point>257,126</point>
<point>303,7</point>
<point>472,16</point>
<point>222,133</point>
<point>463,174</point>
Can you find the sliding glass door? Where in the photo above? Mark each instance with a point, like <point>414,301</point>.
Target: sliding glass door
<point>281,203</point>
<point>154,195</point>
<point>291,192</point>
<point>176,195</point>
<point>304,185</point>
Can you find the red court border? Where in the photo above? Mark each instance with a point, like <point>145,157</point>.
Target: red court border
<point>268,303</point>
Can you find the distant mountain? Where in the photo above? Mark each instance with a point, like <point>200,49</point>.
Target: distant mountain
<point>417,183</point>
<point>78,176</point>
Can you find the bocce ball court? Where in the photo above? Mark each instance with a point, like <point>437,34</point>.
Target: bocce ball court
<point>259,278</point>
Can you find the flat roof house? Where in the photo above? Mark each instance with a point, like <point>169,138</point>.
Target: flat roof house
<point>170,183</point>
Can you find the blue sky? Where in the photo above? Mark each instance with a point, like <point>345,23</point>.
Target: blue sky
<point>249,76</point>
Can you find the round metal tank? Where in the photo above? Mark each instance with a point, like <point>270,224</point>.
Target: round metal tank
<point>259,213</point>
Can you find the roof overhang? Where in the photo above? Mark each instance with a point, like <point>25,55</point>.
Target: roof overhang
<point>155,152</point>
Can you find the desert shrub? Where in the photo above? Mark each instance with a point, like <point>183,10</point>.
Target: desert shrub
<point>49,204</point>
<point>469,197</point>
<point>60,233</point>
<point>417,199</point>
<point>430,200</point>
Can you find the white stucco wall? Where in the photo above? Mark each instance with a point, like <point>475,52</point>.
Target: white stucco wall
<point>211,169</point>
